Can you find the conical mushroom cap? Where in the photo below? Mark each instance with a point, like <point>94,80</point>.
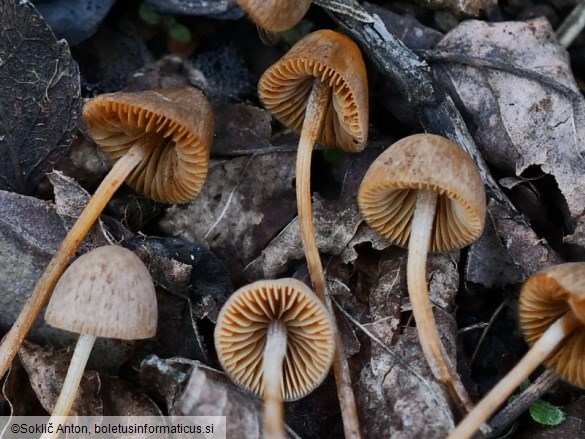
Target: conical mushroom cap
<point>546,297</point>
<point>178,125</point>
<point>335,59</point>
<point>106,292</point>
<point>388,192</point>
<point>275,15</point>
<point>240,336</point>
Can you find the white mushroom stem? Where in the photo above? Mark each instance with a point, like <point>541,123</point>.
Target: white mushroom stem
<point>44,288</point>
<point>71,383</point>
<point>311,131</point>
<point>540,351</point>
<point>428,334</point>
<point>274,354</point>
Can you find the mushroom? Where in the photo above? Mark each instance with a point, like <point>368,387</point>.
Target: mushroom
<point>107,292</point>
<point>275,15</point>
<point>320,88</point>
<point>274,338</point>
<point>160,142</point>
<point>551,311</point>
<point>426,193</point>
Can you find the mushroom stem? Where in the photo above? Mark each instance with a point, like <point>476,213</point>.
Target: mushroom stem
<point>428,334</point>
<point>39,297</point>
<point>312,126</point>
<point>274,354</point>
<point>71,383</point>
<point>539,352</point>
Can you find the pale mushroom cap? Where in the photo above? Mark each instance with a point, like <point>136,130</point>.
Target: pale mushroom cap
<point>106,292</point>
<point>240,335</point>
<point>335,59</point>
<point>275,15</point>
<point>388,193</point>
<point>178,123</point>
<point>546,297</point>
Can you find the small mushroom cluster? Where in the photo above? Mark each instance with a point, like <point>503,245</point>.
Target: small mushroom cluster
<point>277,338</point>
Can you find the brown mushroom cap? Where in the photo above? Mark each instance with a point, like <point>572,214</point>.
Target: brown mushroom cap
<point>240,335</point>
<point>285,87</point>
<point>388,193</point>
<point>106,292</point>
<point>178,125</point>
<point>275,15</point>
<point>546,297</point>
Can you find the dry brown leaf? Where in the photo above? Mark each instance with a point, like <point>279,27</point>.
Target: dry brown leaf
<point>46,371</point>
<point>488,263</point>
<point>397,393</point>
<point>165,379</point>
<point>336,223</point>
<point>244,203</point>
<point>98,395</point>
<point>209,394</point>
<point>18,395</point>
<point>514,81</point>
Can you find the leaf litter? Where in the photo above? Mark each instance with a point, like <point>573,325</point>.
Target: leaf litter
<point>246,216</point>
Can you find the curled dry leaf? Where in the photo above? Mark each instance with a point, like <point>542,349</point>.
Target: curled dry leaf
<point>208,393</point>
<point>39,85</point>
<point>18,396</point>
<point>98,395</point>
<point>46,371</point>
<point>244,203</point>
<point>396,391</point>
<point>165,379</point>
<point>515,82</point>
<point>336,223</point>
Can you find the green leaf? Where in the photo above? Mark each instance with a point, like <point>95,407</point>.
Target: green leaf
<point>148,15</point>
<point>546,414</point>
<point>180,33</point>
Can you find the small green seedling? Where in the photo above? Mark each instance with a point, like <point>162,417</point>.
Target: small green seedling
<point>177,31</point>
<point>541,411</point>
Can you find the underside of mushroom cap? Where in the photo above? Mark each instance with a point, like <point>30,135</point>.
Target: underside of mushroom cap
<point>275,15</point>
<point>545,298</point>
<point>106,292</point>
<point>240,336</point>
<point>335,59</point>
<point>388,193</point>
<point>177,124</point>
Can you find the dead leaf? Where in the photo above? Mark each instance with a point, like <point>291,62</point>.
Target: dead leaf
<point>336,223</point>
<point>244,203</point>
<point>98,394</point>
<point>515,82</point>
<point>209,394</point>
<point>39,85</point>
<point>488,261</point>
<point>18,394</point>
<point>46,370</point>
<point>396,392</point>
<point>411,32</point>
<point>165,379</point>
<point>185,269</point>
<point>241,129</point>
<point>31,230</point>
<point>226,9</point>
